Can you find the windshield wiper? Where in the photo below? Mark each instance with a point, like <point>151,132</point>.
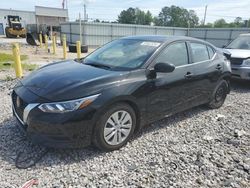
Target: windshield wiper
<point>99,65</point>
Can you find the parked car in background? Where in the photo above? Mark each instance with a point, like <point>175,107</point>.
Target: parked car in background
<point>240,56</point>
<point>119,88</point>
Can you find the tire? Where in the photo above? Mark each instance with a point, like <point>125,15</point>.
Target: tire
<point>7,33</point>
<point>72,48</point>
<point>108,137</point>
<point>219,95</point>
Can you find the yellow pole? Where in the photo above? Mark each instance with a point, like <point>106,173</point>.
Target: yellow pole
<point>17,60</point>
<point>78,49</point>
<point>55,38</point>
<point>41,40</point>
<point>64,47</point>
<point>54,44</point>
<point>46,42</point>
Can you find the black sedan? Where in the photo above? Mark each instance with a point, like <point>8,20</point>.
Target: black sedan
<point>107,96</point>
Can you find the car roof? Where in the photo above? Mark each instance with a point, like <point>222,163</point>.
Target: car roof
<point>163,38</point>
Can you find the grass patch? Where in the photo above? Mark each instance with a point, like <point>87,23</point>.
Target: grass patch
<point>25,66</point>
<point>9,57</point>
<point>7,61</point>
<point>29,67</point>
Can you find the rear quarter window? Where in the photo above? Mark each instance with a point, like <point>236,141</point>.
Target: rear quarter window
<point>210,52</point>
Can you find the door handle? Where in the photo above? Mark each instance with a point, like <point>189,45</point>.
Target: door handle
<point>218,67</point>
<point>189,75</point>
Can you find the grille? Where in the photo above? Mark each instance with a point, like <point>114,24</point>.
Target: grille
<point>236,61</point>
<point>18,104</point>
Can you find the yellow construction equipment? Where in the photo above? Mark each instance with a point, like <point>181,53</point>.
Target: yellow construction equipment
<point>14,28</point>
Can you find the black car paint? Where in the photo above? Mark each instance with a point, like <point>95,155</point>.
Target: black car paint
<point>153,96</point>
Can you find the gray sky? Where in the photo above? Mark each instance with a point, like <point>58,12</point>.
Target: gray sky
<point>109,9</point>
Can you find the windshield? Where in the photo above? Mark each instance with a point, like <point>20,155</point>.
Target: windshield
<point>123,54</point>
<point>241,42</point>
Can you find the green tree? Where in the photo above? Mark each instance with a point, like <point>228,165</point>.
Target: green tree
<point>220,23</point>
<point>208,25</point>
<point>127,16</point>
<point>238,20</point>
<point>148,18</point>
<point>97,20</point>
<point>176,17</point>
<point>139,16</point>
<point>193,18</point>
<point>135,16</point>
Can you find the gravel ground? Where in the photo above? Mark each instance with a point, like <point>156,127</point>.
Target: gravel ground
<point>196,148</point>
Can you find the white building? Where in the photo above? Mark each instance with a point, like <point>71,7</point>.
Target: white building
<point>41,15</point>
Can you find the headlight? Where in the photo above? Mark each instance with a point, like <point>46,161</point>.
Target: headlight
<point>246,62</point>
<point>67,106</point>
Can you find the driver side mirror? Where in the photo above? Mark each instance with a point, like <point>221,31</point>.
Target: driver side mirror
<point>164,67</point>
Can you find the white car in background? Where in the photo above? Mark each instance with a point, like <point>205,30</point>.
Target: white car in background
<point>240,56</point>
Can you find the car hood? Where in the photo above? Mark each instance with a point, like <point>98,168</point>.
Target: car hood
<point>238,53</point>
<point>69,80</point>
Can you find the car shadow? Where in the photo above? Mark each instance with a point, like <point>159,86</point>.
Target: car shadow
<point>170,121</point>
<point>17,150</point>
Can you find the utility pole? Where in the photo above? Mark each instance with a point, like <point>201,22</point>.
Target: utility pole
<point>80,28</point>
<point>205,15</point>
<point>85,13</point>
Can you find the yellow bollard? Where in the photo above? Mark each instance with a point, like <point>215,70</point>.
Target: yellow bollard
<point>64,47</point>
<point>46,42</point>
<point>17,60</point>
<point>54,44</point>
<point>41,40</point>
<point>78,49</point>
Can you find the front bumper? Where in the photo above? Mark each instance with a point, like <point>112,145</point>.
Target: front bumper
<point>240,72</point>
<point>65,130</point>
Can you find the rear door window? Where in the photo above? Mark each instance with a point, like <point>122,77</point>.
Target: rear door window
<point>199,52</point>
<point>174,53</point>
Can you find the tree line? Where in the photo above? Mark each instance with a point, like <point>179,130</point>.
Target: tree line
<point>173,16</point>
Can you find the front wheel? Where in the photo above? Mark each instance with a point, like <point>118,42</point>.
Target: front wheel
<point>219,95</point>
<point>115,127</point>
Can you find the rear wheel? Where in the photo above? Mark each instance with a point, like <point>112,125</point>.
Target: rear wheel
<point>115,127</point>
<point>219,95</point>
